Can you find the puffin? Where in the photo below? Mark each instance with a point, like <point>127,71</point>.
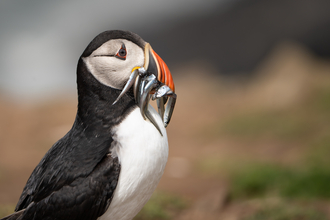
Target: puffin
<point>110,162</point>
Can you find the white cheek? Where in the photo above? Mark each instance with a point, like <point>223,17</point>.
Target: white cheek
<point>109,71</point>
<point>112,71</point>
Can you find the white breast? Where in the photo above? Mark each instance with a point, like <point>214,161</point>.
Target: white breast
<point>143,153</point>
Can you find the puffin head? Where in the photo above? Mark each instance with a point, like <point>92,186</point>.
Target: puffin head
<point>121,60</point>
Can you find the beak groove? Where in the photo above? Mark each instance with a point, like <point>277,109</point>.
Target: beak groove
<point>164,74</point>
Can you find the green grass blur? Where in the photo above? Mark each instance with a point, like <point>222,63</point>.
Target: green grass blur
<point>6,210</point>
<point>260,180</point>
<point>307,125</point>
<point>162,206</point>
<point>285,212</point>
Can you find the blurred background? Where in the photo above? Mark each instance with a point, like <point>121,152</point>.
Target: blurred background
<point>250,135</point>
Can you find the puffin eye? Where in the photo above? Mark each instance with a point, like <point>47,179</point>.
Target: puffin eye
<point>121,54</point>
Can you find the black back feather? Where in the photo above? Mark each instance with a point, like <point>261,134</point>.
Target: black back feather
<point>77,176</point>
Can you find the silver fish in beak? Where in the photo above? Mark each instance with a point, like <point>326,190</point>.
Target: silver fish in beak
<point>154,80</point>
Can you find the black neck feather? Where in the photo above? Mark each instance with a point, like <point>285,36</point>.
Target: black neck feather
<point>95,102</point>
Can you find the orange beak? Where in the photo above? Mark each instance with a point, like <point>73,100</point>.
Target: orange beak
<point>155,65</point>
<point>153,78</point>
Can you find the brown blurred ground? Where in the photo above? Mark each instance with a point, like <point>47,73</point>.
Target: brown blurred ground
<point>205,101</point>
